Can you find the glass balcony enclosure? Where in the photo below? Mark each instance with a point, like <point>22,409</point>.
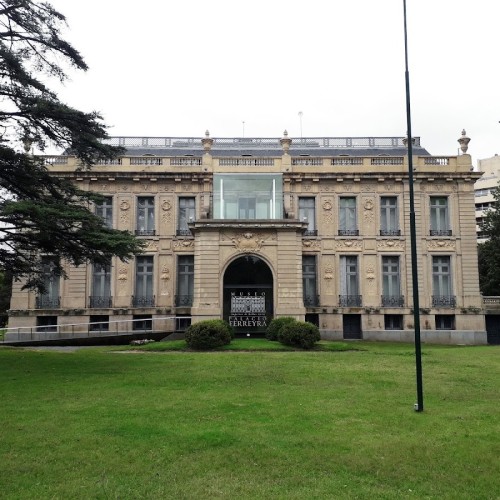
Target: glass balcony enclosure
<point>248,196</point>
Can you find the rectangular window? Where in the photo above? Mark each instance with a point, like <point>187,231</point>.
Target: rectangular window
<point>441,282</point>
<point>104,209</point>
<point>347,217</point>
<point>445,322</point>
<point>185,281</point>
<point>391,284</point>
<point>309,280</point>
<point>187,213</point>
<point>144,282</point>
<point>440,224</point>
<point>349,290</point>
<point>307,213</point>
<point>101,286</point>
<point>142,322</point>
<point>99,323</point>
<point>393,321</point>
<point>248,196</point>
<point>46,324</point>
<point>49,298</point>
<point>389,218</point>
<point>145,216</point>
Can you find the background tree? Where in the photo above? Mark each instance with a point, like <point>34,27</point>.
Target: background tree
<point>40,213</point>
<point>489,252</point>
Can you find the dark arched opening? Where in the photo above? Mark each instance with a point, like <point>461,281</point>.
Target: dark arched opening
<point>248,295</point>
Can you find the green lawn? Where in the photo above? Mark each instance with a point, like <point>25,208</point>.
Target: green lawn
<point>254,424</point>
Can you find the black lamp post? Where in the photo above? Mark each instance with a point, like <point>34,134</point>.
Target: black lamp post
<point>419,406</point>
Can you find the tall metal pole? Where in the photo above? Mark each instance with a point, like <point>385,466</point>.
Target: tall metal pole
<point>419,406</point>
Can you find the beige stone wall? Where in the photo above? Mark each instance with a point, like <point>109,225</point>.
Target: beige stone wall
<point>281,243</point>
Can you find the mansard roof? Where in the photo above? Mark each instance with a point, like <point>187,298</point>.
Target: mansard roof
<point>268,147</point>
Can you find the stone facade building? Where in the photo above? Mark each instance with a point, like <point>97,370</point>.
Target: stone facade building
<point>248,229</point>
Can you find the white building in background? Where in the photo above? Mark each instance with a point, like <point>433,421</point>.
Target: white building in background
<point>483,190</point>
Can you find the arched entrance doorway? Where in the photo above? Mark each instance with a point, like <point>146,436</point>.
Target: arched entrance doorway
<point>248,295</point>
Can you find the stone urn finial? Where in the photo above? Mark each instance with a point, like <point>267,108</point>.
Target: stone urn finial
<point>285,142</point>
<point>207,142</point>
<point>464,142</point>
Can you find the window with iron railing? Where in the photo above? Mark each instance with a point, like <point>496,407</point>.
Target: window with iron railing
<point>187,214</point>
<point>307,213</point>
<point>101,286</point>
<point>49,298</point>
<point>347,216</point>
<point>442,294</point>
<point>309,280</point>
<point>143,296</point>
<point>349,282</point>
<point>389,217</point>
<point>185,281</point>
<point>440,224</point>
<point>391,282</point>
<point>145,216</point>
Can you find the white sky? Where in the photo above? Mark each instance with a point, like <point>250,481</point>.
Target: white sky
<point>179,67</point>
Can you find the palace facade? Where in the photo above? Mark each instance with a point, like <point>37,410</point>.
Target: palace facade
<point>249,229</point>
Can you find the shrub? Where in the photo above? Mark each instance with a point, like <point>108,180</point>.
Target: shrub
<point>276,325</point>
<point>208,334</point>
<point>299,334</point>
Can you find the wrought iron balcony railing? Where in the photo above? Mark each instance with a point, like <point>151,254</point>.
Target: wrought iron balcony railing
<point>348,232</point>
<point>390,232</point>
<point>45,302</point>
<point>444,301</point>
<point>96,301</point>
<point>350,300</point>
<point>440,232</point>
<point>145,232</point>
<point>184,300</point>
<point>393,301</point>
<point>311,232</point>
<point>183,232</point>
<point>143,301</point>
<point>311,300</point>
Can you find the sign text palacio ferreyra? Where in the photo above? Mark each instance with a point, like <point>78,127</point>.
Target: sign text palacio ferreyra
<point>248,311</point>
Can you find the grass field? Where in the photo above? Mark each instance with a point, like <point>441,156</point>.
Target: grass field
<point>255,424</point>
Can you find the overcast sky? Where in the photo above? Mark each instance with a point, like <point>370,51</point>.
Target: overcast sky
<point>179,67</point>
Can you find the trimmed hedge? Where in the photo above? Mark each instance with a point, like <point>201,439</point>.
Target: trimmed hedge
<point>208,334</point>
<point>299,334</point>
<point>276,325</point>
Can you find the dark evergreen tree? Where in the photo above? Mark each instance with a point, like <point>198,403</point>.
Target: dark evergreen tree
<point>41,213</point>
<point>5,292</point>
<point>489,252</point>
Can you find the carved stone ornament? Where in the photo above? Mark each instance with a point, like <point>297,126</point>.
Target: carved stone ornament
<point>165,273</point>
<point>348,245</point>
<point>311,244</point>
<point>122,274</point>
<point>247,242</point>
<point>368,215</point>
<point>370,274</point>
<point>390,245</point>
<point>152,246</point>
<point>328,273</point>
<point>441,245</point>
<point>327,205</point>
<point>369,205</point>
<point>124,205</point>
<point>166,205</point>
<point>183,244</point>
